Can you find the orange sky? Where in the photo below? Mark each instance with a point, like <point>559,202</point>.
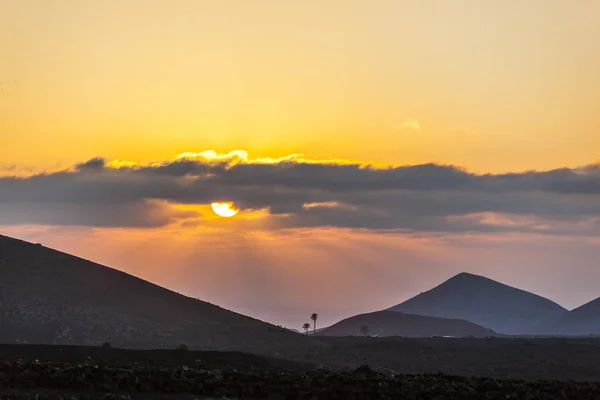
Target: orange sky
<point>494,86</point>
<point>283,278</point>
<point>491,86</point>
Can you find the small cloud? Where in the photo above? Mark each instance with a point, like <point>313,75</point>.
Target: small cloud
<point>8,167</point>
<point>327,204</point>
<point>96,163</point>
<point>122,164</point>
<point>211,155</point>
<point>412,124</point>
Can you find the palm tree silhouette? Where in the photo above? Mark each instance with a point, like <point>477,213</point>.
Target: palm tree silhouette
<point>306,327</point>
<point>314,317</point>
<point>364,329</point>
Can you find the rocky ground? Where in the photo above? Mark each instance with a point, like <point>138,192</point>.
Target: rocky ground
<point>500,358</point>
<point>55,380</point>
<point>398,369</point>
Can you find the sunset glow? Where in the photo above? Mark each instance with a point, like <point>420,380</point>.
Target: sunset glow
<point>224,209</point>
<point>284,157</point>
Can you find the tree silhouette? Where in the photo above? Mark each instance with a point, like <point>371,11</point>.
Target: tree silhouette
<point>306,327</point>
<point>364,329</point>
<point>314,317</point>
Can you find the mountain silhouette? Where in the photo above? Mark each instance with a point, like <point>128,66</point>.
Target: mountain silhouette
<point>583,320</point>
<point>391,323</point>
<point>49,297</point>
<point>488,303</point>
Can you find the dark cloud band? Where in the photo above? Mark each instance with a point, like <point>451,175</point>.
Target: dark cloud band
<point>427,197</point>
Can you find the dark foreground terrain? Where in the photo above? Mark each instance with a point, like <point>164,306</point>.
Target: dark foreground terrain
<point>503,358</point>
<point>500,358</point>
<point>61,380</point>
<point>423,369</point>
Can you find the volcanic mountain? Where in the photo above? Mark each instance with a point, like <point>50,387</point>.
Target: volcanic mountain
<point>584,320</point>
<point>50,297</point>
<point>390,323</point>
<point>485,302</point>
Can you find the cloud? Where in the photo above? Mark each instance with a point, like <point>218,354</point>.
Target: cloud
<point>95,163</point>
<point>14,169</point>
<point>137,214</point>
<point>299,192</point>
<point>412,124</point>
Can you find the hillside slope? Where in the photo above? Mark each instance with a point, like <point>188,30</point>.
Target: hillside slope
<point>583,320</point>
<point>485,302</point>
<point>55,298</point>
<point>390,323</point>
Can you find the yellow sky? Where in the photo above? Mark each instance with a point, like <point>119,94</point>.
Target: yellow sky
<point>490,85</point>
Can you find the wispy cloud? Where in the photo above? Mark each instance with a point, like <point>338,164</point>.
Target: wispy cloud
<point>412,124</point>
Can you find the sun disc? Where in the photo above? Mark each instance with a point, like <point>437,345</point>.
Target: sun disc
<point>225,210</point>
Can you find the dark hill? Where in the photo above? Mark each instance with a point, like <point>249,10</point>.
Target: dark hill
<point>485,302</point>
<point>390,323</point>
<point>584,320</point>
<point>49,297</point>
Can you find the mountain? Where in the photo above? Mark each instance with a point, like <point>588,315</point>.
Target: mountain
<point>390,323</point>
<point>485,302</point>
<point>51,297</point>
<point>584,320</point>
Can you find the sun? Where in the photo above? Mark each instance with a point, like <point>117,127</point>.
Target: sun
<point>224,209</point>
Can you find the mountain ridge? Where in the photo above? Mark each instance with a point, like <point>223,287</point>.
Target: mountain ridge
<point>581,321</point>
<point>393,323</point>
<point>486,302</point>
<point>50,297</point>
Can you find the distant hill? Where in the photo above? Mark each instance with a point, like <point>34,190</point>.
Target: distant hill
<point>390,323</point>
<point>485,302</point>
<point>49,297</point>
<point>584,320</point>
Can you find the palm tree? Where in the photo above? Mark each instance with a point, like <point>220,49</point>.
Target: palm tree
<point>314,317</point>
<point>364,329</point>
<point>306,327</point>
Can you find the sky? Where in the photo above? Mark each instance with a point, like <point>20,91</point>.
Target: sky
<point>374,148</point>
